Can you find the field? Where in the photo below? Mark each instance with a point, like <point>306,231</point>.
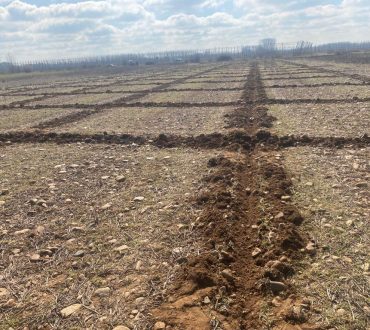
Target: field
<point>218,196</point>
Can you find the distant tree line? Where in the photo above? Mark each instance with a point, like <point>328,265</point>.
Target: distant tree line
<point>267,48</point>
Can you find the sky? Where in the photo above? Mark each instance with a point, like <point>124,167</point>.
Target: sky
<point>42,29</point>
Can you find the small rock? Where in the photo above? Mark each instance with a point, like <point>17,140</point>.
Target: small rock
<point>65,312</point>
<point>4,192</point>
<point>340,312</point>
<point>106,206</point>
<point>206,300</point>
<point>309,184</point>
<point>138,265</point>
<point>2,203</point>
<point>45,252</point>
<point>39,230</point>
<point>102,292</point>
<point>311,248</point>
<point>277,287</point>
<point>21,232</point>
<point>120,178</point>
<point>159,326</point>
<point>35,257</point>
<point>105,177</point>
<point>276,302</point>
<point>3,292</point>
<point>121,248</point>
<point>121,327</point>
<point>139,199</point>
<point>286,198</point>
<point>257,251</point>
<point>226,273</point>
<point>361,185</point>
<point>279,215</point>
<point>79,253</point>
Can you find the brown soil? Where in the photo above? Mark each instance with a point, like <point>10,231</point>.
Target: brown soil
<point>232,141</point>
<point>241,207</point>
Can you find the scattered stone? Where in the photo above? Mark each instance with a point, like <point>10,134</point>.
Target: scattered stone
<point>112,241</point>
<point>276,302</point>
<point>226,273</point>
<point>349,223</point>
<point>4,192</point>
<point>206,300</point>
<point>277,287</point>
<point>3,292</point>
<point>35,257</point>
<point>366,266</point>
<point>121,327</point>
<point>79,253</point>
<point>105,177</point>
<point>309,184</point>
<point>39,230</point>
<point>21,232</point>
<point>65,312</point>
<point>361,185</point>
<point>311,248</point>
<point>286,198</point>
<point>102,292</point>
<point>121,248</point>
<point>279,215</point>
<point>106,206</point>
<point>347,259</point>
<point>68,201</point>
<point>159,326</point>
<point>2,203</point>
<point>45,252</point>
<point>139,199</point>
<point>340,312</point>
<point>138,265</point>
<point>120,178</point>
<point>257,251</point>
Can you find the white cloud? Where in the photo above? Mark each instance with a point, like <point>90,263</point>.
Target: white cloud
<point>109,26</point>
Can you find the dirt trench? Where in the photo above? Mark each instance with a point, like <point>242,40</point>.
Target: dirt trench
<point>251,239</point>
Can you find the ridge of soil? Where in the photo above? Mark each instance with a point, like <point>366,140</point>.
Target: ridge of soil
<point>233,141</point>
<point>251,235</point>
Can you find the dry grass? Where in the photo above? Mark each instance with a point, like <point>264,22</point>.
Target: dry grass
<point>193,97</point>
<point>125,87</point>
<point>89,99</point>
<point>7,100</point>
<point>19,119</point>
<point>329,188</point>
<point>323,92</point>
<point>306,81</point>
<point>56,194</point>
<point>349,68</point>
<point>153,121</point>
<point>347,120</point>
<point>216,85</point>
